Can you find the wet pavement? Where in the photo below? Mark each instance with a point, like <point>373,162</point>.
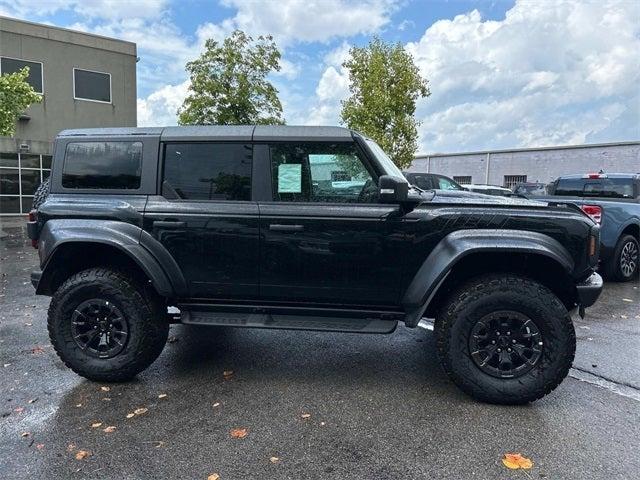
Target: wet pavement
<point>330,406</point>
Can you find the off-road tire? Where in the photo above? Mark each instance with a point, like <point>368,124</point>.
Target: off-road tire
<point>41,194</point>
<point>613,268</point>
<point>499,292</point>
<point>148,327</point>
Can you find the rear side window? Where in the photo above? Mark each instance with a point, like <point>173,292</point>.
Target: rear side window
<point>207,171</point>
<point>102,165</point>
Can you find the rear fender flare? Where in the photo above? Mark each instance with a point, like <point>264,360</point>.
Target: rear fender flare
<point>457,245</point>
<point>152,257</point>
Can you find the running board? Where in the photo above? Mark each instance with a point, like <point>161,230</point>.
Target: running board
<point>288,322</point>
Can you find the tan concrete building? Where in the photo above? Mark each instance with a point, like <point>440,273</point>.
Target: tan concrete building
<point>86,81</point>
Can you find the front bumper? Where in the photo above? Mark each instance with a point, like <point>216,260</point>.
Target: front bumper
<point>35,278</point>
<point>589,290</point>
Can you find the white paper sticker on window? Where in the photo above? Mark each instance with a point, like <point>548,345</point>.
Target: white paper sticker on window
<point>290,178</point>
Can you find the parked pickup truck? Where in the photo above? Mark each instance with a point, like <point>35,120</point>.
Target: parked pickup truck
<point>613,201</point>
<point>245,226</point>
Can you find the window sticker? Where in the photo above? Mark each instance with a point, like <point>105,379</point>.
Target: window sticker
<point>290,178</point>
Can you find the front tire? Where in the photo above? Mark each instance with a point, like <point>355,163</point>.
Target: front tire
<point>505,339</point>
<point>105,327</point>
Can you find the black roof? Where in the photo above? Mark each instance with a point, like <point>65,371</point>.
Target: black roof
<point>222,132</point>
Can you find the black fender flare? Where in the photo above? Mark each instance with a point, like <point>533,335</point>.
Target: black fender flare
<point>138,245</point>
<point>457,245</point>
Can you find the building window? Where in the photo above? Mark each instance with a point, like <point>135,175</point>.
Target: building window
<point>463,180</point>
<point>92,86</point>
<point>511,181</point>
<point>13,65</point>
<point>102,165</point>
<point>20,175</point>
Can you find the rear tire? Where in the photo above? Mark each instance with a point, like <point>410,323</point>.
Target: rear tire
<point>105,327</point>
<point>624,263</point>
<point>493,314</point>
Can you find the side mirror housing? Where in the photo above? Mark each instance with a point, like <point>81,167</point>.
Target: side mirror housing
<point>393,189</point>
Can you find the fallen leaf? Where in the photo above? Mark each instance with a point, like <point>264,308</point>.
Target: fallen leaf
<point>306,415</point>
<point>33,400</point>
<point>131,415</point>
<point>238,432</point>
<point>82,454</point>
<point>162,395</point>
<point>105,389</point>
<point>227,374</point>
<point>106,399</point>
<point>160,443</point>
<point>96,425</point>
<point>39,446</point>
<point>515,461</point>
<point>217,404</point>
<point>71,447</point>
<point>37,350</point>
<point>18,409</point>
<point>24,434</point>
<point>7,365</point>
<point>140,411</point>
<point>78,405</point>
<point>213,476</point>
<point>322,424</point>
<point>627,300</point>
<point>110,429</point>
<point>274,459</point>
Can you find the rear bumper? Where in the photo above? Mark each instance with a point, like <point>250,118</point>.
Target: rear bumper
<point>35,278</point>
<point>589,290</point>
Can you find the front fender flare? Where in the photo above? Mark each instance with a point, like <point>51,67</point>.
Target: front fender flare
<point>158,265</point>
<point>456,245</point>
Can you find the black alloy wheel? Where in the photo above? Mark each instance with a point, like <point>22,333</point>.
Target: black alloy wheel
<point>99,328</point>
<point>505,344</point>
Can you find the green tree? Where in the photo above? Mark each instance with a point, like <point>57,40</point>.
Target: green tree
<point>16,95</point>
<point>385,84</point>
<point>229,83</point>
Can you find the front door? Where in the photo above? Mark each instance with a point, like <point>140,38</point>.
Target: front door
<point>324,237</point>
<point>206,220</point>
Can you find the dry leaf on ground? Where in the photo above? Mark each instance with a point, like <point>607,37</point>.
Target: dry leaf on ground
<point>140,411</point>
<point>24,434</point>
<point>105,389</point>
<point>39,446</point>
<point>37,350</point>
<point>131,415</point>
<point>306,415</point>
<point>516,460</point>
<point>217,404</point>
<point>110,429</point>
<point>96,425</point>
<point>274,459</point>
<point>162,395</point>
<point>238,432</point>
<point>82,454</point>
<point>213,476</point>
<point>227,374</point>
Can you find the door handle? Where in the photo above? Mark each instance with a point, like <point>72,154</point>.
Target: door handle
<point>286,228</point>
<point>169,224</point>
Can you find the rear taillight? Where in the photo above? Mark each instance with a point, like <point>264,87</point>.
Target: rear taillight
<point>594,211</point>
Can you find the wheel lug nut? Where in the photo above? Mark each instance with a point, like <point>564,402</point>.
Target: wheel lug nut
<point>513,341</point>
<point>508,349</point>
<point>493,342</point>
<point>499,350</point>
<point>508,333</point>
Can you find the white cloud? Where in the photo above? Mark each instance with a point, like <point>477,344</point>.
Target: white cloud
<point>549,73</point>
<point>305,20</point>
<point>161,107</point>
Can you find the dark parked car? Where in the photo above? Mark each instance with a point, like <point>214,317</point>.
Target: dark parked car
<point>613,201</point>
<point>432,181</point>
<point>263,226</point>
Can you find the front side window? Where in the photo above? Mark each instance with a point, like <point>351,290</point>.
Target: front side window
<point>94,86</point>
<point>207,171</point>
<point>445,184</point>
<point>13,65</point>
<point>320,172</point>
<point>103,165</point>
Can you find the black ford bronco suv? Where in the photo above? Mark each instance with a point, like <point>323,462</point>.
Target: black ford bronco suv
<point>301,228</point>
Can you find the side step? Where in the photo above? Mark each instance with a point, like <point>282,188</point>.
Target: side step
<point>288,322</point>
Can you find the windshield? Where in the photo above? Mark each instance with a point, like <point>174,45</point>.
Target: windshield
<point>390,168</point>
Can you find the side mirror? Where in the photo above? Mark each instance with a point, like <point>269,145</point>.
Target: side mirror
<point>393,189</point>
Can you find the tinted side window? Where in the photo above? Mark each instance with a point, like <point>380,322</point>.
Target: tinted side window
<point>107,165</point>
<point>570,187</point>
<point>320,172</point>
<point>207,171</point>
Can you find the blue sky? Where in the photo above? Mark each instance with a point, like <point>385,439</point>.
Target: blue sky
<point>502,73</point>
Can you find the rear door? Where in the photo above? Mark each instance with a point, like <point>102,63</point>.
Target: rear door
<point>324,237</point>
<point>205,216</point>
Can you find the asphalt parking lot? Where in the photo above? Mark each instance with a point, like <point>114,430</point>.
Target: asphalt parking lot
<point>311,405</point>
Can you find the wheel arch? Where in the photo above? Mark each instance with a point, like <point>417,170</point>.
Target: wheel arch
<point>466,254</point>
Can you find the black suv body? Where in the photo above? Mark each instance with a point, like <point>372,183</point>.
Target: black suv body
<point>301,228</point>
